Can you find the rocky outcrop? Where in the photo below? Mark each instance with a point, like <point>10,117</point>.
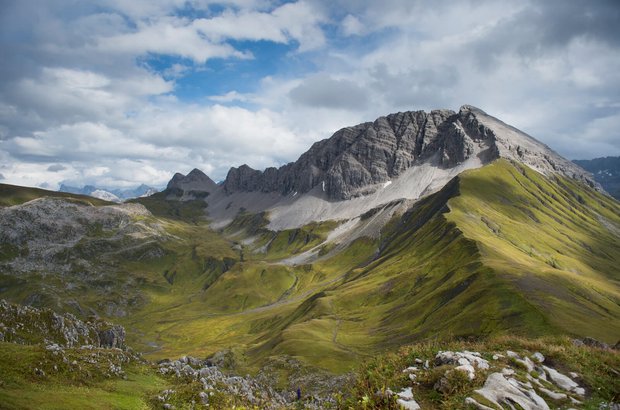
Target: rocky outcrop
<point>45,229</point>
<point>29,325</point>
<point>56,245</point>
<point>515,145</point>
<point>364,155</point>
<point>213,380</point>
<point>112,336</point>
<point>509,379</point>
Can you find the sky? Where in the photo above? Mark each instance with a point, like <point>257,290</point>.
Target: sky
<point>116,93</point>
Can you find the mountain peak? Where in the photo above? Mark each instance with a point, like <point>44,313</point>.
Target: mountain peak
<point>355,159</point>
<point>360,160</point>
<point>196,173</point>
<point>195,181</point>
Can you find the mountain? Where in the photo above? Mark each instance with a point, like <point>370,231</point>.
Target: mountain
<point>194,185</point>
<point>14,195</point>
<point>401,156</point>
<point>138,192</point>
<point>415,227</point>
<point>606,171</point>
<point>358,160</point>
<point>112,195</point>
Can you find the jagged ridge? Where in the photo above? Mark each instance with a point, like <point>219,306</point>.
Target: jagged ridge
<point>357,158</point>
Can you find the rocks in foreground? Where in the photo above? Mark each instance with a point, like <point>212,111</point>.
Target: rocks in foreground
<point>210,385</point>
<point>522,380</point>
<point>495,374</point>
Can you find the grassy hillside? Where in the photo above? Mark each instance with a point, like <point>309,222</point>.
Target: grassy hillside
<point>14,195</point>
<point>499,250</point>
<point>552,241</point>
<point>470,260</point>
<point>84,385</point>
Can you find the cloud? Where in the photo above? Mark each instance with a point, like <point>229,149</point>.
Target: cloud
<point>324,91</point>
<point>352,26</point>
<point>56,168</point>
<point>168,36</point>
<point>115,93</point>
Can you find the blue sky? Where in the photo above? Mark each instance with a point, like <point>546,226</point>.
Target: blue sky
<point>116,93</point>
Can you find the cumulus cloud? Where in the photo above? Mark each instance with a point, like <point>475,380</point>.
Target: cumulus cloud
<point>291,21</point>
<point>99,93</point>
<point>170,36</point>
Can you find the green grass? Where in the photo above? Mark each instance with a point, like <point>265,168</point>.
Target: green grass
<point>193,211</point>
<point>15,195</point>
<point>548,242</point>
<point>81,386</point>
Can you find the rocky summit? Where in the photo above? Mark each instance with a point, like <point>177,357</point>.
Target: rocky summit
<point>402,156</point>
<point>355,160</point>
<point>196,183</point>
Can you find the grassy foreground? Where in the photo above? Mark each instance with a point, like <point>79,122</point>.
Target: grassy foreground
<point>32,377</point>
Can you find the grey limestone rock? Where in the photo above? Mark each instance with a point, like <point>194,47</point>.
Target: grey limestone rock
<point>113,336</point>
<point>355,160</point>
<point>30,324</point>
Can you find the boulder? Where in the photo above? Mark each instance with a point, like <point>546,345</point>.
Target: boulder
<point>499,390</point>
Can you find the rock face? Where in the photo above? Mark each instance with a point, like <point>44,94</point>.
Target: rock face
<point>365,155</point>
<point>29,325</point>
<point>356,160</point>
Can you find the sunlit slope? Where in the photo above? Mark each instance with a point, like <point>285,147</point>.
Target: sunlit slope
<point>553,241</point>
<point>441,271</point>
<point>499,250</point>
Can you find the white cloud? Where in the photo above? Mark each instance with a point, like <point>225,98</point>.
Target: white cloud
<point>171,36</point>
<point>352,26</point>
<point>78,103</point>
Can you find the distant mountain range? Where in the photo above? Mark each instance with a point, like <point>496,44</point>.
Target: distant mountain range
<point>606,171</point>
<point>112,195</point>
